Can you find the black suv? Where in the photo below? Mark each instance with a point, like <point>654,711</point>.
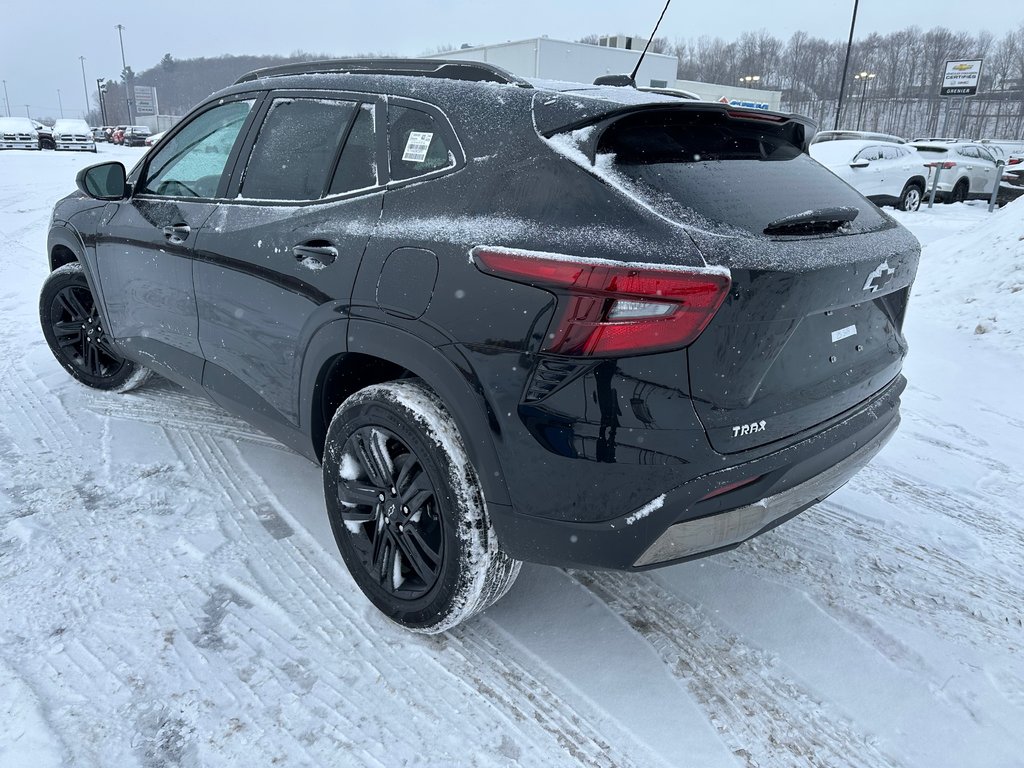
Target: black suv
<point>570,324</point>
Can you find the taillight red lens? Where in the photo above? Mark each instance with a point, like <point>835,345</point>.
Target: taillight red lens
<point>608,308</point>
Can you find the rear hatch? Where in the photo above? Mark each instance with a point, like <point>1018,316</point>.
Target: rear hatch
<point>813,322</point>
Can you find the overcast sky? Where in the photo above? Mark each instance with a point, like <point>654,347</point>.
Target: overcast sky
<point>41,40</point>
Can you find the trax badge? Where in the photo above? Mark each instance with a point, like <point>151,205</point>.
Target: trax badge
<point>749,429</point>
<point>879,278</point>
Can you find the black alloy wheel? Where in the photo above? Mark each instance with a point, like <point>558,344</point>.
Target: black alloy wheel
<point>407,510</point>
<point>74,330</point>
<point>392,514</point>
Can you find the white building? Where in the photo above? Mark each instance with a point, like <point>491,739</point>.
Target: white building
<point>542,57</point>
<point>550,59</point>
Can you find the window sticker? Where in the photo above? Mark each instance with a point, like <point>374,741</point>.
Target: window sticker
<point>416,147</point>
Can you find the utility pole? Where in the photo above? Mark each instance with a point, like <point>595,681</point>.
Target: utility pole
<point>846,65</point>
<point>124,71</point>
<point>103,102</point>
<point>6,100</point>
<point>26,112</point>
<point>85,88</point>
<point>61,103</point>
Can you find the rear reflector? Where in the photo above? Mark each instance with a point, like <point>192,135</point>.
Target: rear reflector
<point>612,308</point>
<point>730,487</point>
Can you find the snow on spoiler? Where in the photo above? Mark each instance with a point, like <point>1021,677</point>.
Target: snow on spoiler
<point>563,112</point>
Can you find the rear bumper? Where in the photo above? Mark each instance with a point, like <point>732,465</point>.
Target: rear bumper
<point>727,529</point>
<point>683,524</point>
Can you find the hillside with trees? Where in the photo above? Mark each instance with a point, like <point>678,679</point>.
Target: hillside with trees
<point>902,97</point>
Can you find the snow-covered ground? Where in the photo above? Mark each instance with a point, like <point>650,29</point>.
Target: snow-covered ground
<point>170,593</point>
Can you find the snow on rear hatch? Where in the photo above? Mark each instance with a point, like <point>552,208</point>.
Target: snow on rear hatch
<point>812,325</point>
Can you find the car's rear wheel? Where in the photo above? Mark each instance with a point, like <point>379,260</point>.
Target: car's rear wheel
<point>74,331</point>
<point>910,199</point>
<point>407,511</point>
<point>959,193</point>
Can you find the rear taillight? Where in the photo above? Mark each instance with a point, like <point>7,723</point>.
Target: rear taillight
<point>1015,161</point>
<point>611,308</point>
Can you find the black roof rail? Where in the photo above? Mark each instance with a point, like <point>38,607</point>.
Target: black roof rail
<point>476,71</point>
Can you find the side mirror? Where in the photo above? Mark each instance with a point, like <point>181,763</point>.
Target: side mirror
<point>106,181</point>
<point>860,164</point>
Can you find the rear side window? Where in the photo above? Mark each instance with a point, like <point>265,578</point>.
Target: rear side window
<point>415,144</point>
<point>296,148</point>
<point>357,166</point>
<point>709,169</point>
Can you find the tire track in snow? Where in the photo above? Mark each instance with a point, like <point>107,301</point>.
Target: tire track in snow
<point>844,560</point>
<point>165,404</point>
<point>764,718</point>
<point>536,714</point>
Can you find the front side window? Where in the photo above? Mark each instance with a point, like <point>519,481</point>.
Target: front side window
<point>294,154</point>
<point>192,162</point>
<point>870,154</point>
<point>415,144</point>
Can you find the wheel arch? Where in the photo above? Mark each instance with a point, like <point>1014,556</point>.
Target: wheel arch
<point>917,181</point>
<point>376,353</point>
<point>63,246</point>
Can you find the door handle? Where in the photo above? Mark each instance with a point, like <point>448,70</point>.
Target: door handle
<point>324,254</point>
<point>177,234</point>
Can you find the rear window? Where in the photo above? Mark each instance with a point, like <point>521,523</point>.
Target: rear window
<point>710,169</point>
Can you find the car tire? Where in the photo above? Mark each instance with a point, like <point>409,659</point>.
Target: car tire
<point>74,331</point>
<point>407,511</point>
<point>959,193</point>
<point>910,198</point>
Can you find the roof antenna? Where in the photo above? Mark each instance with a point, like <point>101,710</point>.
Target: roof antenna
<point>630,80</point>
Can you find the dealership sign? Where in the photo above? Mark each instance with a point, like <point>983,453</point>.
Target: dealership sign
<point>145,100</point>
<point>961,78</point>
<point>744,103</point>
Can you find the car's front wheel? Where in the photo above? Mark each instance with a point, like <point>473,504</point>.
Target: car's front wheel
<point>910,199</point>
<point>407,510</point>
<point>74,330</point>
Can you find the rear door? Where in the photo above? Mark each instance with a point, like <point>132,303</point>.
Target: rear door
<point>813,323</point>
<point>987,164</point>
<point>144,244</point>
<point>278,260</point>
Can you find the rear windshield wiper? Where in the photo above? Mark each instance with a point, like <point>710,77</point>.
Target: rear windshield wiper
<point>814,222</point>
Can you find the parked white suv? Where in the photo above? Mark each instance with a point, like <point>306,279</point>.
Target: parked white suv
<point>885,173</point>
<point>968,171</point>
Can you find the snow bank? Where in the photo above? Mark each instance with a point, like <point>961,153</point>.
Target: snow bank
<point>975,278</point>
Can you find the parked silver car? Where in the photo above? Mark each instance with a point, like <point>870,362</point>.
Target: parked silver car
<point>885,173</point>
<point>967,171</point>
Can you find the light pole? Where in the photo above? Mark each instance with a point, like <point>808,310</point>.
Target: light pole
<point>6,100</point>
<point>863,77</point>
<point>85,88</point>
<point>749,81</point>
<point>124,71</point>
<point>846,66</point>
<point>103,104</point>
<point>61,104</point>
<point>26,112</point>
